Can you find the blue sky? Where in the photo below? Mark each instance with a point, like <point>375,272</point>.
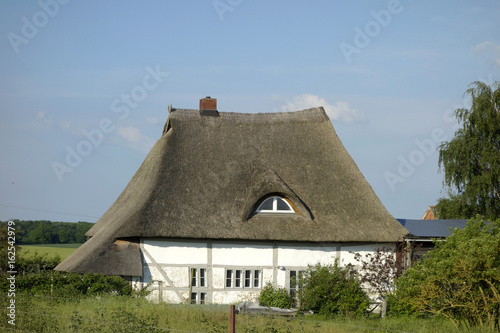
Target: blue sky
<point>95,78</point>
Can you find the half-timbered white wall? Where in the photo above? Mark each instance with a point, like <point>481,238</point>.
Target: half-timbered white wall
<point>168,264</point>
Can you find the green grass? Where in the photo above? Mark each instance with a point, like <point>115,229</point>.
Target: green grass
<point>125,314</point>
<point>51,250</point>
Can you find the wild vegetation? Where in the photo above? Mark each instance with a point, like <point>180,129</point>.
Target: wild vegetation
<point>331,290</point>
<point>131,314</point>
<point>275,297</point>
<point>458,280</point>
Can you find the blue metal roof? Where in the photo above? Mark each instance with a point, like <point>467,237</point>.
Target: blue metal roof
<point>431,228</point>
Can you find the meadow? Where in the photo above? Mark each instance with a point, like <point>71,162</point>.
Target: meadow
<point>128,314</point>
<point>49,250</point>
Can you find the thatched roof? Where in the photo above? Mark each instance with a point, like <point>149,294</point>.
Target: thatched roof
<point>205,175</point>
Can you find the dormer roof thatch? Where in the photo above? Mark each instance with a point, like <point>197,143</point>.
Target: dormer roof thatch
<point>206,174</point>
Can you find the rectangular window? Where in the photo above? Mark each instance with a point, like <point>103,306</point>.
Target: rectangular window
<point>248,279</point>
<point>193,277</point>
<point>229,278</point>
<point>193,298</point>
<point>243,278</point>
<point>203,277</point>
<point>237,280</point>
<point>256,278</point>
<point>198,277</point>
<point>202,298</point>
<point>295,277</point>
<point>198,298</point>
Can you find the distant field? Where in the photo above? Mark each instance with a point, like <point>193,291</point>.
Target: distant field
<point>63,250</point>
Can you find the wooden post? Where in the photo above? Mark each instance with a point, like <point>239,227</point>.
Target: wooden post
<point>232,320</point>
<point>160,291</point>
<point>190,284</point>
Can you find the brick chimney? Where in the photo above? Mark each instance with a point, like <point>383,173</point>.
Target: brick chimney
<point>208,107</point>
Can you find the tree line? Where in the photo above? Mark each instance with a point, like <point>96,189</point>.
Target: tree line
<point>48,232</point>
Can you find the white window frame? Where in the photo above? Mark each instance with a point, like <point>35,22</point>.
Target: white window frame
<point>295,286</point>
<point>200,297</point>
<point>275,206</point>
<point>243,278</point>
<point>197,277</point>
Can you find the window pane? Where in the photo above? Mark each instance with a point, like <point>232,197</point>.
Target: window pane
<point>248,279</point>
<point>237,280</point>
<point>293,279</point>
<point>282,205</point>
<point>193,276</point>
<point>202,277</point>
<point>193,298</point>
<point>202,298</point>
<point>256,279</point>
<point>229,278</point>
<point>267,204</point>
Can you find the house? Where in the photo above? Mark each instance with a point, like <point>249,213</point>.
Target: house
<point>227,202</point>
<point>430,213</point>
<point>422,233</point>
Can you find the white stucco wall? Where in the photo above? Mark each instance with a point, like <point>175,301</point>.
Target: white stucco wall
<point>234,254</point>
<point>170,261</point>
<point>292,255</point>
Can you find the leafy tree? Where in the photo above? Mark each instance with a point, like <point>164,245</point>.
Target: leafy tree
<point>65,235</point>
<point>471,160</point>
<point>42,234</point>
<point>332,290</point>
<point>81,229</point>
<point>459,279</point>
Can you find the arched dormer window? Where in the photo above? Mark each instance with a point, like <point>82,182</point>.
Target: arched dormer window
<point>275,204</point>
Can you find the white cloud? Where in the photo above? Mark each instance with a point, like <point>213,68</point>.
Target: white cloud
<point>130,134</point>
<point>488,49</point>
<point>341,110</point>
<point>153,120</point>
<point>135,139</point>
<point>42,116</point>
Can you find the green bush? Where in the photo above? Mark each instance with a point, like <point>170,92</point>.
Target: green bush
<point>458,280</point>
<point>275,296</point>
<point>332,290</point>
<point>36,263</point>
<point>72,285</point>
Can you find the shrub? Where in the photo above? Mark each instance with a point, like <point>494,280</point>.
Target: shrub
<point>459,279</point>
<point>332,290</point>
<point>36,263</point>
<point>275,296</point>
<point>72,285</point>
